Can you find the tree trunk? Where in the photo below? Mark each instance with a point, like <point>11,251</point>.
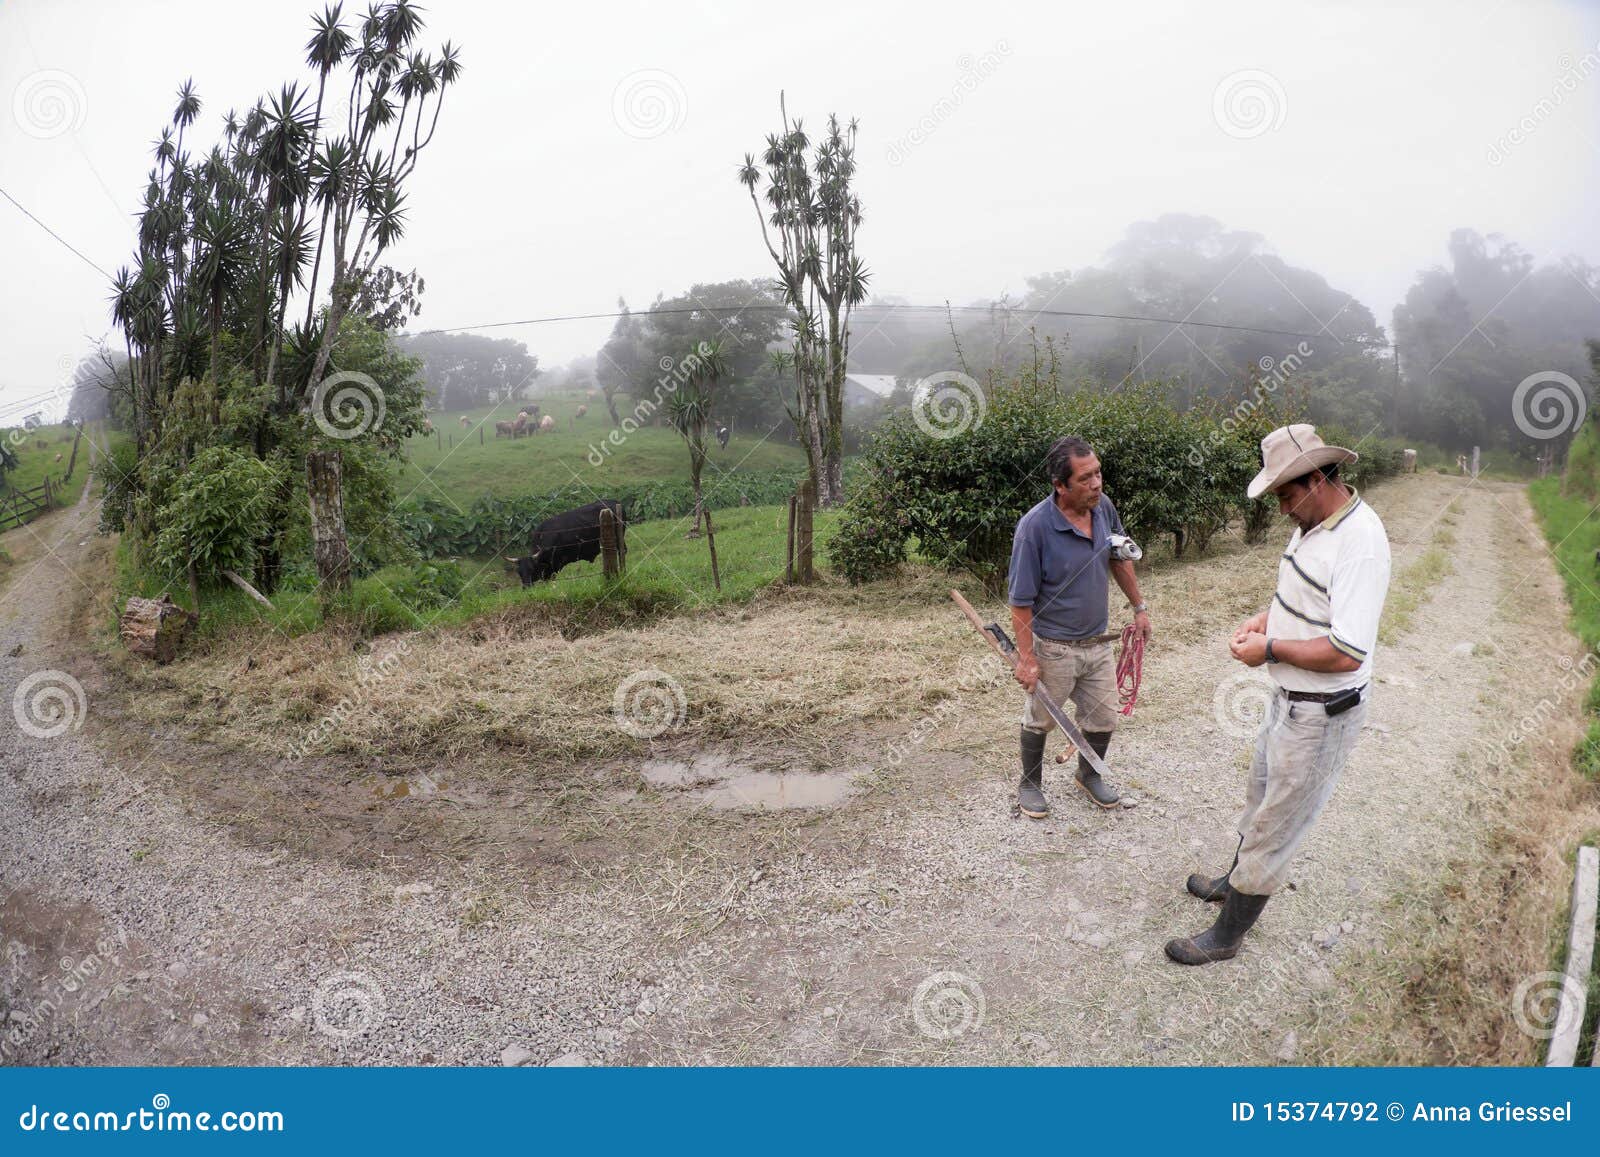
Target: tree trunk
<point>155,628</point>
<point>833,391</point>
<point>325,489</point>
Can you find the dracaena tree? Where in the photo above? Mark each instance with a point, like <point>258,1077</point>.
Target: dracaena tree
<point>809,227</point>
<point>301,195</point>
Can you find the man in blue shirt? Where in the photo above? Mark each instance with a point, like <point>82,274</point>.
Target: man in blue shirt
<point>1060,566</point>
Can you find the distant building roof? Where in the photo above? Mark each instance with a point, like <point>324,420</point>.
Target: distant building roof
<point>880,385</point>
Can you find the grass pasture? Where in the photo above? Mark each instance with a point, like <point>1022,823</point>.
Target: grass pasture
<point>464,463</point>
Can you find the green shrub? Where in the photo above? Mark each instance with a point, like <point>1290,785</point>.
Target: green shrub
<point>871,544</point>
<point>115,472</point>
<point>960,495</point>
<point>216,513</point>
<point>428,585</point>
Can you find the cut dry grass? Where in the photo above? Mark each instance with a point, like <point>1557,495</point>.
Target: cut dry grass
<point>1415,584</point>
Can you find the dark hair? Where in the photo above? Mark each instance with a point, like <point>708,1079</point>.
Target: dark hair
<point>1058,462</point>
<point>1330,473</point>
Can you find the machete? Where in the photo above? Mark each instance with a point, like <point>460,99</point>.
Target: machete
<point>997,638</point>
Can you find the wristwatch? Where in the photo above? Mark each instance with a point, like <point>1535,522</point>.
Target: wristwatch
<point>1271,658</point>
<point>1142,608</point>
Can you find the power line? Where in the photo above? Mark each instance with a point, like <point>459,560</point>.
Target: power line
<point>726,309</point>
<point>56,235</point>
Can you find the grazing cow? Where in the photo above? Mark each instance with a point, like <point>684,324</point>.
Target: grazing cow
<point>58,455</point>
<point>427,426</point>
<point>722,436</point>
<point>505,429</point>
<point>582,410</point>
<point>563,539</point>
<point>547,423</point>
<point>520,426</point>
<point>466,422</point>
<point>522,415</point>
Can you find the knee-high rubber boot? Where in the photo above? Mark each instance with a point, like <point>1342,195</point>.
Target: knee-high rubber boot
<point>1220,941</point>
<point>1030,794</point>
<point>1215,889</point>
<point>1092,782</point>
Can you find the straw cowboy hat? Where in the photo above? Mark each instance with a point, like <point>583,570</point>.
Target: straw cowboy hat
<point>1290,451</point>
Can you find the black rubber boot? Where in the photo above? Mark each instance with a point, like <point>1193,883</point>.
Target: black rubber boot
<point>1030,794</point>
<point>1215,890</point>
<point>1220,941</point>
<point>1092,782</point>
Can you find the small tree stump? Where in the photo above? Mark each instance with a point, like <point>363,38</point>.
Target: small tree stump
<point>155,628</point>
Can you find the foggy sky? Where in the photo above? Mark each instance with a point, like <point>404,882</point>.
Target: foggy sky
<point>997,140</point>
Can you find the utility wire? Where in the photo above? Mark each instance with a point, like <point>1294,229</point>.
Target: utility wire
<point>766,308</point>
<point>54,234</point>
<point>725,309</point>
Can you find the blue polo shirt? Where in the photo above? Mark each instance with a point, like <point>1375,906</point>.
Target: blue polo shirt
<point>1063,575</point>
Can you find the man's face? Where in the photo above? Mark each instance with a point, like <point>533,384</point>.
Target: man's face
<point>1298,501</point>
<point>1084,491</point>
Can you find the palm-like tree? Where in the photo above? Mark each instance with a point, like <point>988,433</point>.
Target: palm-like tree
<point>222,269</point>
<point>124,306</point>
<point>690,409</point>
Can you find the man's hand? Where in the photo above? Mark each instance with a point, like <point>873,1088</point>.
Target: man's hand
<point>1141,622</point>
<point>1028,672</point>
<point>1249,647</point>
<point>1256,624</point>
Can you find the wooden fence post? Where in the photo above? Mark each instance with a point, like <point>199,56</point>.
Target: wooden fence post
<point>480,434</point>
<point>788,556</point>
<point>73,461</point>
<point>49,499</point>
<point>610,563</point>
<point>802,547</point>
<point>711,541</point>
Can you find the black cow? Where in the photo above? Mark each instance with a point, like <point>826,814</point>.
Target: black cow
<point>722,436</point>
<point>566,538</point>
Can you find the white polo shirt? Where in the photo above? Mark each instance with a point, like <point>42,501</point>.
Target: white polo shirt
<point>1332,581</point>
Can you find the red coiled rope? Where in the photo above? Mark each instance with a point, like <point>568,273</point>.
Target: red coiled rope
<point>1130,667</point>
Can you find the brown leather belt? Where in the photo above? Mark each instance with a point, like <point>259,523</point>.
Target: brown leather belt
<point>1087,641</point>
<point>1318,696</point>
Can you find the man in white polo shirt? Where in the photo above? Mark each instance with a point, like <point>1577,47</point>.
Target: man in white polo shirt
<point>1316,639</point>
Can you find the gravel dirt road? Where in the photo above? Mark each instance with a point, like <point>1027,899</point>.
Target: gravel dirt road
<point>172,903</point>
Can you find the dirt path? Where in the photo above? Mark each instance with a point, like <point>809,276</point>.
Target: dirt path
<point>234,913</point>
